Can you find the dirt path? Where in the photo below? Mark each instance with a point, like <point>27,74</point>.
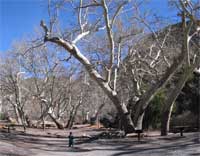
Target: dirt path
<point>54,142</point>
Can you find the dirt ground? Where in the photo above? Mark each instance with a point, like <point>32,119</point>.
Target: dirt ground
<point>36,142</point>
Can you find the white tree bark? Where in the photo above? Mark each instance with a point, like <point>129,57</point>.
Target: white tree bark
<point>73,50</point>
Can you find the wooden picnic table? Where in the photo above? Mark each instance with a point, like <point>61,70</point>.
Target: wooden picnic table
<point>181,129</point>
<point>139,131</point>
<point>11,126</point>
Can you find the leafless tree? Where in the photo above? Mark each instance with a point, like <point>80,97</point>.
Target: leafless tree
<point>111,22</point>
<point>191,46</point>
<point>11,80</point>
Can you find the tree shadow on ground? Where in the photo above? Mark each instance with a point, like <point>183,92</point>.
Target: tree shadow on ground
<point>16,132</point>
<point>161,149</point>
<point>127,147</point>
<point>158,150</point>
<point>40,142</point>
<point>194,154</point>
<point>120,147</point>
<point>23,140</point>
<point>9,154</point>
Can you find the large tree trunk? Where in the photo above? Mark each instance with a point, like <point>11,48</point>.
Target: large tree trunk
<point>148,96</point>
<point>177,64</point>
<point>165,120</point>
<point>125,116</point>
<point>139,122</point>
<point>132,107</point>
<point>168,105</point>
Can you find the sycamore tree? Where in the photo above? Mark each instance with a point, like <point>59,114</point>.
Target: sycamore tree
<point>50,85</point>
<point>99,34</point>
<point>12,90</point>
<point>57,89</point>
<point>190,26</point>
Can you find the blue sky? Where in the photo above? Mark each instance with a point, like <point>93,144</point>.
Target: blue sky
<point>18,18</point>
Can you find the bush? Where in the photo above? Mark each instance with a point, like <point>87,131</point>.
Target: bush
<point>152,116</point>
<point>2,116</point>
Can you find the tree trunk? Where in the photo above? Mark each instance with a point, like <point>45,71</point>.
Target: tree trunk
<point>132,107</point>
<point>177,64</point>
<point>58,124</point>
<point>73,114</point>
<point>127,123</point>
<point>99,110</point>
<point>43,123</point>
<point>165,120</point>
<point>17,114</point>
<point>148,96</point>
<point>70,119</point>
<point>28,121</point>
<point>168,105</point>
<point>199,107</point>
<point>139,122</point>
<point>23,118</point>
<point>125,117</point>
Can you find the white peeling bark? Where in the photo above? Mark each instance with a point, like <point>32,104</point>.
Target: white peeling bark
<point>74,51</point>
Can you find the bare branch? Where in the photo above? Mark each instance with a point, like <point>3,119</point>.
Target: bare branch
<point>90,5</point>
<point>117,12</point>
<point>80,36</point>
<point>110,38</point>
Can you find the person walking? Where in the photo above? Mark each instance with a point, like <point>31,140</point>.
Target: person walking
<point>71,139</point>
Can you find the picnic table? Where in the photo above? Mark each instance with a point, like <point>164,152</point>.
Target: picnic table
<point>11,126</point>
<point>139,131</point>
<point>181,129</point>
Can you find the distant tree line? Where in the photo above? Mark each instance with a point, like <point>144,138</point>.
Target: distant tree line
<point>110,57</point>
